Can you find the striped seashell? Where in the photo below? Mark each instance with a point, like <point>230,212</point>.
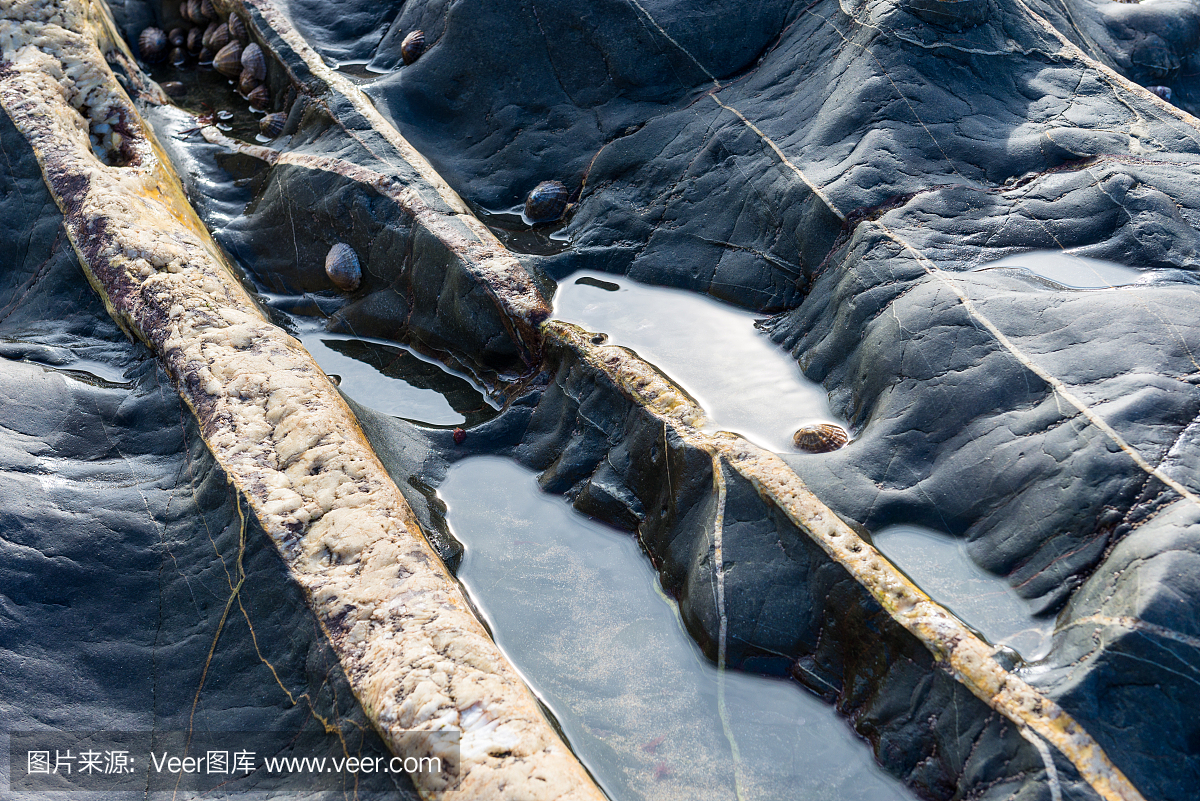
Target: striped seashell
<point>260,96</point>
<point>254,62</point>
<point>195,41</point>
<point>228,60</point>
<point>194,12</point>
<point>547,202</point>
<point>341,265</point>
<point>185,11</point>
<point>272,125</point>
<point>247,83</point>
<point>219,37</point>
<point>820,438</point>
<point>153,45</point>
<point>178,57</point>
<point>237,29</point>
<point>206,8</point>
<point>412,47</point>
<point>205,57</point>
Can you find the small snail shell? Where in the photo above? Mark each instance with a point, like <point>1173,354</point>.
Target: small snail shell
<point>259,96</point>
<point>253,62</point>
<point>341,265</point>
<point>547,202</point>
<point>412,47</point>
<point>237,29</point>
<point>152,44</point>
<point>228,60</point>
<point>247,83</point>
<point>820,438</point>
<point>177,37</point>
<point>272,125</point>
<point>178,57</point>
<point>1162,91</point>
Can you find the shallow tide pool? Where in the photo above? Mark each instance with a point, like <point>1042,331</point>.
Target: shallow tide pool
<point>940,565</point>
<point>744,381</point>
<point>1076,272</point>
<point>578,609</point>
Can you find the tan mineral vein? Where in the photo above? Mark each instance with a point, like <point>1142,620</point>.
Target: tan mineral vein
<point>412,650</point>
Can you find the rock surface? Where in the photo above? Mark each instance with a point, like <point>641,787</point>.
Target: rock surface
<point>843,167</point>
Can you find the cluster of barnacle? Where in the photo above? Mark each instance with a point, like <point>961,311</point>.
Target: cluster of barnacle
<point>222,43</point>
<point>105,139</point>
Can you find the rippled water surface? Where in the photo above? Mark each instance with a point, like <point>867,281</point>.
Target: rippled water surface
<point>578,608</point>
<point>745,382</point>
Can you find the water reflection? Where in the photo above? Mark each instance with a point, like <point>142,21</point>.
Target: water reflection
<point>578,608</point>
<point>519,235</point>
<point>742,379</point>
<point>1076,272</point>
<point>940,565</point>
<point>393,380</point>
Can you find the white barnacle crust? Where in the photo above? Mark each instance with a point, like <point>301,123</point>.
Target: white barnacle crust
<point>414,653</point>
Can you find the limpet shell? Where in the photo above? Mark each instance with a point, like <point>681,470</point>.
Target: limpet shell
<point>153,45</point>
<point>177,37</point>
<point>547,202</point>
<point>341,265</point>
<point>247,83</point>
<point>260,96</point>
<point>217,36</point>
<point>228,60</point>
<point>195,41</point>
<point>412,47</point>
<point>254,62</point>
<point>272,125</point>
<point>237,29</point>
<point>820,438</point>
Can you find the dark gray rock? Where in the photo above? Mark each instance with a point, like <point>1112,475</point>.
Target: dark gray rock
<point>135,596</point>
